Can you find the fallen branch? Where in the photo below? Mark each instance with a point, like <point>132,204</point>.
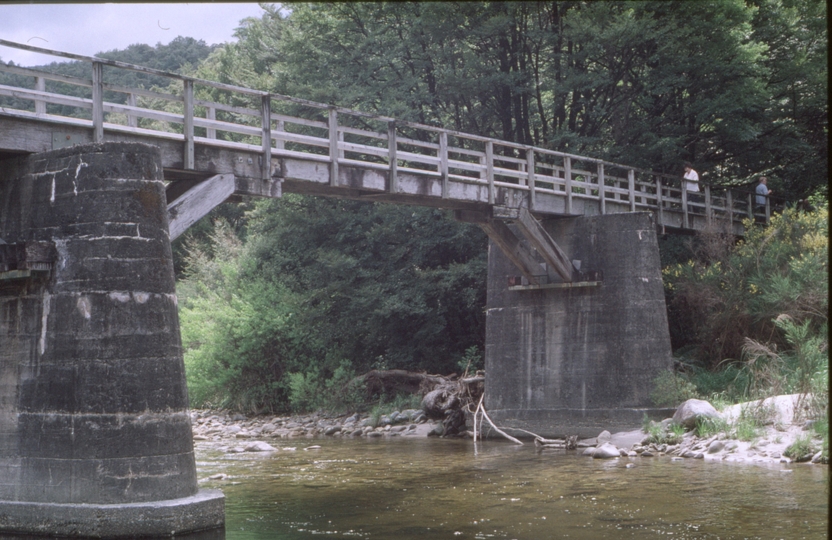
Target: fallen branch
<point>481,410</point>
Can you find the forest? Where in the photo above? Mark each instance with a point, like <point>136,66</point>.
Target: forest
<point>284,302</point>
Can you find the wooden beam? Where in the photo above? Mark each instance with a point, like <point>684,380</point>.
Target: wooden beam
<point>534,232</point>
<point>508,242</point>
<point>514,249</point>
<point>198,201</point>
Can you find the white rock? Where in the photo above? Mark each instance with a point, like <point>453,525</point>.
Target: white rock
<point>260,446</point>
<point>605,451</point>
<point>690,410</point>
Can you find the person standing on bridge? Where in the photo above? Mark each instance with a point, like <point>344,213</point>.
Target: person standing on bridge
<point>691,181</point>
<point>762,194</point>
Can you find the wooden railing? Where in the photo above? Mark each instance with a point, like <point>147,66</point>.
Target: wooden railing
<point>234,117</point>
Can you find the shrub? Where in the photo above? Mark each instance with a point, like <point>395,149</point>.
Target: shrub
<point>707,426</point>
<point>671,389</point>
<point>801,447</point>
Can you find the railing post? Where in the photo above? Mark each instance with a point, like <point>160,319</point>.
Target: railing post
<point>266,137</point>
<point>211,114</point>
<point>132,121</point>
<point>489,169</point>
<point>279,143</point>
<point>729,202</point>
<point>40,86</point>
<point>686,220</point>
<point>708,209</point>
<point>392,146</point>
<point>601,185</point>
<point>443,162</point>
<point>750,207</point>
<point>97,102</point>
<point>188,124</point>
<point>530,175</point>
<point>567,177</point>
<point>659,202</point>
<point>333,147</point>
<point>768,209</point>
<point>631,186</point>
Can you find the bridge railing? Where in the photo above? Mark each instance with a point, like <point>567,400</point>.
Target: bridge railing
<point>198,111</point>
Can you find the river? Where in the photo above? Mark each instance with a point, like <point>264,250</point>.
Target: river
<point>430,488</point>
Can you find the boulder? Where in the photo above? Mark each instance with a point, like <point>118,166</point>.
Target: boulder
<point>260,446</point>
<point>603,437</point>
<point>715,447</point>
<point>692,409</point>
<point>606,451</point>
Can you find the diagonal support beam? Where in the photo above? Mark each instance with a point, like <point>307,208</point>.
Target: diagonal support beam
<point>198,201</point>
<point>554,256</point>
<point>508,242</point>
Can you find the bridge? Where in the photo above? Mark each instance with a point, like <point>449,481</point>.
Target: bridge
<point>97,179</point>
<point>219,140</point>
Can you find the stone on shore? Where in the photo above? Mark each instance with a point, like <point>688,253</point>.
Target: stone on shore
<point>691,410</point>
<point>606,451</point>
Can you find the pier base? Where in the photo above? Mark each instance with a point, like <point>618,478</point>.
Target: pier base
<point>95,435</point>
<point>574,360</point>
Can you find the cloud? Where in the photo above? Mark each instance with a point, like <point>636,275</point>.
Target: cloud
<point>88,29</point>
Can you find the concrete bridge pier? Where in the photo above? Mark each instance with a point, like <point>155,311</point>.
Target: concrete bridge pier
<point>95,436</point>
<point>569,359</point>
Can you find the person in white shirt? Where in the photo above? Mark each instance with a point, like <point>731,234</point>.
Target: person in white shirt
<point>691,185</point>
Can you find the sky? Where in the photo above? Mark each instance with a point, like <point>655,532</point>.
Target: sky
<point>88,29</point>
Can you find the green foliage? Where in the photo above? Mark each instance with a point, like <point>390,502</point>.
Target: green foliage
<point>738,88</point>
<point>471,361</point>
<point>802,446</point>
<point>320,290</point>
<point>708,426</point>
<point>671,389</point>
<point>751,420</point>
<point>769,291</point>
<point>657,434</point>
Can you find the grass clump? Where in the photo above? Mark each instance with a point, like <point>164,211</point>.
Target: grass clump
<point>707,426</point>
<point>659,434</point>
<point>800,448</point>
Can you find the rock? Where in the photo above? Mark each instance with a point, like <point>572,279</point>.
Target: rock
<point>818,457</point>
<point>689,454</point>
<point>804,458</point>
<point>200,438</point>
<point>630,465</point>
<point>260,446</point>
<point>397,429</point>
<point>688,412</point>
<point>647,453</point>
<point>699,455</point>
<point>218,476</point>
<point>589,451</point>
<point>715,447</point>
<point>622,452</point>
<point>236,450</point>
<point>332,430</point>
<point>603,437</point>
<point>231,430</point>
<point>775,455</point>
<point>313,447</point>
<point>605,451</point>
<point>374,434</point>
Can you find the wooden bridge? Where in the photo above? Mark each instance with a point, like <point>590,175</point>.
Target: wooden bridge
<point>218,140</point>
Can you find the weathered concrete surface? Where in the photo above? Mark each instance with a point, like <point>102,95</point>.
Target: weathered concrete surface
<point>578,361</point>
<point>93,402</point>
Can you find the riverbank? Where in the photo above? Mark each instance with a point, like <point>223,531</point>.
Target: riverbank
<point>780,422</point>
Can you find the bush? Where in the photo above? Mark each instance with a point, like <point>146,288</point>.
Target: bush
<point>670,389</point>
<point>707,426</point>
<point>801,447</point>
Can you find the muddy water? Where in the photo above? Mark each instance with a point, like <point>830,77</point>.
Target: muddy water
<point>428,488</point>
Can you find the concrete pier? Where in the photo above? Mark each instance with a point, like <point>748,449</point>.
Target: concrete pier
<point>95,436</point>
<point>579,360</point>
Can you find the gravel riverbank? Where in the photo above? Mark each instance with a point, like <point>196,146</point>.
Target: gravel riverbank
<point>782,427</point>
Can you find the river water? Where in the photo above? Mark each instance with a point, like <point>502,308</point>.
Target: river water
<point>434,488</point>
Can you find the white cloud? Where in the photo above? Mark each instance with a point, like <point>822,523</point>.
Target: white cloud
<point>88,29</point>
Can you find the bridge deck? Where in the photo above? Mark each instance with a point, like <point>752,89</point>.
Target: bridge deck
<point>274,144</point>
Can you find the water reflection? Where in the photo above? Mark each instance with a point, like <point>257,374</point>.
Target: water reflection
<point>419,488</point>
